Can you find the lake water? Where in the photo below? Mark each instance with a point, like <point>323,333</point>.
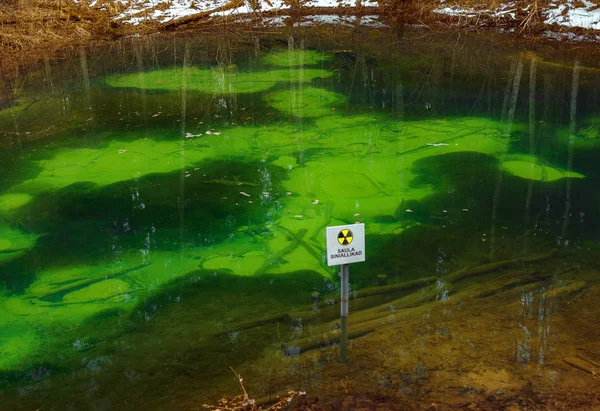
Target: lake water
<point>163,207</point>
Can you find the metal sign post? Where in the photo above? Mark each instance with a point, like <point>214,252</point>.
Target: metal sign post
<point>344,314</point>
<point>345,245</point>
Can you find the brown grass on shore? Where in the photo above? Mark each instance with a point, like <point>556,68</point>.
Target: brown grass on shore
<point>29,28</point>
<point>243,402</point>
<point>32,29</point>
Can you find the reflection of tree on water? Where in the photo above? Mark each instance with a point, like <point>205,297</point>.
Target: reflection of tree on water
<point>182,138</point>
<point>532,140</point>
<point>510,103</point>
<point>338,167</point>
<point>380,138</point>
<point>572,128</point>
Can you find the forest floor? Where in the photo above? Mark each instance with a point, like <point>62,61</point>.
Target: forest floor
<point>29,28</point>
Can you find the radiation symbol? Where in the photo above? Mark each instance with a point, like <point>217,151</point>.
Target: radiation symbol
<point>345,237</point>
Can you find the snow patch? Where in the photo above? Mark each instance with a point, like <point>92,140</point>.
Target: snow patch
<point>139,11</point>
<point>568,13</point>
<point>351,21</point>
<point>507,9</point>
<point>365,21</point>
<point>247,9</point>
<point>166,10</point>
<point>580,13</point>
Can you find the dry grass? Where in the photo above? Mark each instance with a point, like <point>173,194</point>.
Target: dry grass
<point>523,15</point>
<point>30,28</point>
<point>243,402</point>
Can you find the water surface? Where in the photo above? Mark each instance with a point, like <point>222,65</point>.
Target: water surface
<point>163,208</point>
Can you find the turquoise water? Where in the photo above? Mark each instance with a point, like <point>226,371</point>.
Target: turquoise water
<point>164,206</point>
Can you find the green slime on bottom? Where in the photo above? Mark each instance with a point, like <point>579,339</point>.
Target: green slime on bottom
<point>358,168</point>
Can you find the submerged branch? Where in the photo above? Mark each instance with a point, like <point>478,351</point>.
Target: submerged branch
<point>486,268</point>
<point>88,281</point>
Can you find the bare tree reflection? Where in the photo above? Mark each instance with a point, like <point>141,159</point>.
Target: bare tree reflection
<point>572,127</point>
<point>182,174</point>
<point>515,83</point>
<point>138,49</point>
<point>86,76</point>
<point>532,138</point>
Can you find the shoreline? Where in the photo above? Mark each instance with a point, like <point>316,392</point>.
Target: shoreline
<point>29,35</point>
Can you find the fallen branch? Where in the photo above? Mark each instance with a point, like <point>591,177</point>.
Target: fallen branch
<point>207,18</point>
<point>296,240</point>
<point>372,291</point>
<point>386,289</point>
<point>378,312</point>
<point>271,398</point>
<point>97,300</point>
<point>508,282</point>
<point>243,402</point>
<point>199,16</point>
<point>594,363</point>
<point>222,181</point>
<point>322,340</point>
<point>14,250</point>
<point>583,365</point>
<point>279,318</point>
<point>88,281</point>
<point>486,268</point>
<point>366,321</point>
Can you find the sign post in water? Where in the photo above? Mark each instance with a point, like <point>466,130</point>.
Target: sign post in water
<point>345,245</point>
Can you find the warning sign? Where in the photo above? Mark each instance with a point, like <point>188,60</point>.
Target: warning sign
<point>345,237</point>
<point>345,244</point>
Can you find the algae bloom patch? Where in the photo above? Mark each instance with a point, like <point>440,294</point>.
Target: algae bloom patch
<point>213,80</point>
<point>305,102</point>
<point>12,201</point>
<point>534,171</point>
<point>294,58</point>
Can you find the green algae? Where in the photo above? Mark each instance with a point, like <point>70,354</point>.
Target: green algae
<point>286,162</point>
<point>305,101</point>
<point>11,201</point>
<point>243,265</point>
<point>51,281</point>
<point>80,304</point>
<point>14,242</point>
<point>285,139</point>
<point>531,170</point>
<point>338,168</point>
<point>586,137</point>
<point>217,81</point>
<point>589,133</point>
<point>148,238</point>
<point>369,180</point>
<point>294,58</point>
<point>350,186</point>
<point>379,185</point>
<point>531,167</point>
<point>119,161</point>
<point>104,290</point>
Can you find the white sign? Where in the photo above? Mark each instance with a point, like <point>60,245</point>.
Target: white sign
<point>345,244</point>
